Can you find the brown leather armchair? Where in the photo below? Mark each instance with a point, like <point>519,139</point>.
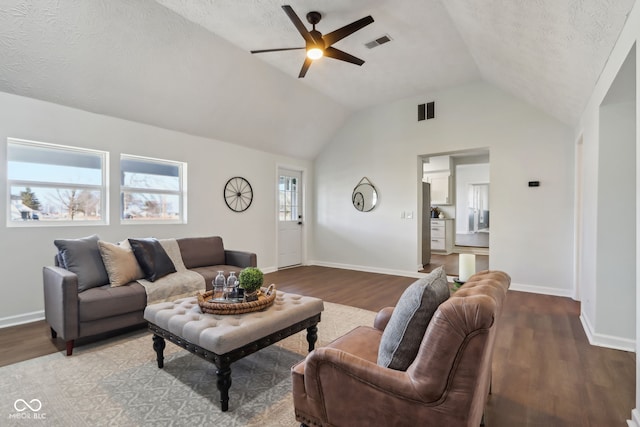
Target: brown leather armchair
<point>446,385</point>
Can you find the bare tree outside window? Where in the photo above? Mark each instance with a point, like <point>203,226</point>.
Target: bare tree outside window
<point>151,189</point>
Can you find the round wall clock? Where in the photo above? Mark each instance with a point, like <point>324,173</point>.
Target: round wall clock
<point>238,194</point>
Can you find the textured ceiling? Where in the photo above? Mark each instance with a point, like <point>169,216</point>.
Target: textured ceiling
<point>547,52</point>
<point>426,51</point>
<point>185,64</point>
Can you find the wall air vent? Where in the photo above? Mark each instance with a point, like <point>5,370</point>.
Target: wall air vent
<point>377,42</point>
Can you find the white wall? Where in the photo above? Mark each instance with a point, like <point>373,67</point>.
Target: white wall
<point>210,164</point>
<point>600,316</point>
<point>616,252</point>
<point>608,128</point>
<point>532,228</point>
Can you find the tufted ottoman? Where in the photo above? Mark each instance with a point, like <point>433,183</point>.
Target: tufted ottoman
<point>224,339</point>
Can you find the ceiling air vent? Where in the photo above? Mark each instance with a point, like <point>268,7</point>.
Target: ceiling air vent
<point>377,42</point>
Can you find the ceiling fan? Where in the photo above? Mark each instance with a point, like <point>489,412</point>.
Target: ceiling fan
<point>318,45</point>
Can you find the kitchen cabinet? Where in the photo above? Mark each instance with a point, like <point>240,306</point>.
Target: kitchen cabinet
<point>440,187</point>
<point>442,235</point>
<point>437,172</point>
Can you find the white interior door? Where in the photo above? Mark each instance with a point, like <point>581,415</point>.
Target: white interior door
<point>289,218</point>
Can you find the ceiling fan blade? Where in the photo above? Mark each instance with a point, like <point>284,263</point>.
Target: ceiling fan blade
<point>334,53</point>
<point>276,50</point>
<point>298,23</point>
<point>305,67</point>
<point>348,29</point>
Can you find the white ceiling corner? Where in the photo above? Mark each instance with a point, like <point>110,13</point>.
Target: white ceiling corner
<point>549,53</point>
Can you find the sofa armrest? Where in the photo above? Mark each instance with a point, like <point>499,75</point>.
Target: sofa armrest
<point>61,301</point>
<point>382,318</point>
<point>240,258</point>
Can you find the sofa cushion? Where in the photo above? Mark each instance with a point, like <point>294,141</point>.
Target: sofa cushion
<point>403,334</point>
<point>82,257</point>
<point>202,251</point>
<point>120,262</point>
<point>152,258</point>
<point>106,301</point>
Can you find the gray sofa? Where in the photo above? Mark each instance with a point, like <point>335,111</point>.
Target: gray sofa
<point>80,300</point>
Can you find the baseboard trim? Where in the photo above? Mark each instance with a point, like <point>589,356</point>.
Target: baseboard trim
<point>266,270</point>
<point>604,340</point>
<point>635,419</point>
<point>21,319</point>
<point>368,269</point>
<point>543,290</point>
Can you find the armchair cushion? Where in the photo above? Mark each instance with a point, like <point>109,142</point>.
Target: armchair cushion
<point>120,262</point>
<point>403,334</point>
<point>152,258</point>
<point>82,257</point>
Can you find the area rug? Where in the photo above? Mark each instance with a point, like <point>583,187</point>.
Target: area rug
<point>117,382</point>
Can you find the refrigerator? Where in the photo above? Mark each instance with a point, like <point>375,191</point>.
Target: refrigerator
<point>426,223</point>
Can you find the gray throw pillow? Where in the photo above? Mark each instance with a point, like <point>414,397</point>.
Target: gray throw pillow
<point>152,257</point>
<point>403,335</point>
<point>82,257</point>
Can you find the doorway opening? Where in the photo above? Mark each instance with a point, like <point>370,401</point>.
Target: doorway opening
<point>454,208</point>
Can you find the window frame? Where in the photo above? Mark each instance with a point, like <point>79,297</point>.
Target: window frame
<point>181,192</point>
<point>102,188</point>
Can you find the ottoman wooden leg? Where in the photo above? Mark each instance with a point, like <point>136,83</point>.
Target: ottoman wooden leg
<point>224,384</point>
<point>158,346</point>
<point>312,336</point>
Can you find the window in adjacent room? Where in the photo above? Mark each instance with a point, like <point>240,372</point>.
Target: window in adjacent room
<point>50,184</point>
<point>152,190</point>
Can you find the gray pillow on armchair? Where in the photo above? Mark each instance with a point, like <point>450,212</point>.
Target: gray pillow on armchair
<point>402,337</point>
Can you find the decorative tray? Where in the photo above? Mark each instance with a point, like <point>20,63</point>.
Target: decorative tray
<point>226,301</point>
<point>266,297</point>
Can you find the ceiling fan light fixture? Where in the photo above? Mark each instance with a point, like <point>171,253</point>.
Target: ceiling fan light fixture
<point>317,45</point>
<point>315,53</point>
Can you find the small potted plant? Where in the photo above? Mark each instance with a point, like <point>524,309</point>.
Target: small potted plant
<point>251,279</point>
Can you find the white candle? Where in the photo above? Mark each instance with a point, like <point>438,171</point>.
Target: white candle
<point>467,266</point>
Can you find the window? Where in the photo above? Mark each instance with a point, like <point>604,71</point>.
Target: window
<point>289,204</point>
<point>52,184</point>
<point>152,190</point>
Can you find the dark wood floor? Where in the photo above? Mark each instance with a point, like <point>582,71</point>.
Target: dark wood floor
<point>450,263</point>
<point>545,372</point>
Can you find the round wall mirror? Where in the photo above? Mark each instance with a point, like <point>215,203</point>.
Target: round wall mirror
<point>365,196</point>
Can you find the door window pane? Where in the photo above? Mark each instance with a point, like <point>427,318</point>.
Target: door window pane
<point>288,200</point>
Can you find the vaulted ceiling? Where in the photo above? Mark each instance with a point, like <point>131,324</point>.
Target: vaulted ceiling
<point>185,65</point>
